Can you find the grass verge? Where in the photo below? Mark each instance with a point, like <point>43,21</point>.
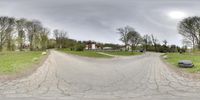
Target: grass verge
<point>122,53</point>
<point>174,58</point>
<point>15,62</point>
<point>92,54</point>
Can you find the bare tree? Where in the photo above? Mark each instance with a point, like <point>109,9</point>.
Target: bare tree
<point>146,41</point>
<point>60,37</point>
<point>44,38</point>
<point>124,34</point>
<point>20,27</point>
<point>30,33</point>
<point>34,28</point>
<point>165,42</point>
<point>6,29</point>
<point>187,42</point>
<point>154,41</point>
<point>189,28</point>
<point>134,39</point>
<point>9,33</point>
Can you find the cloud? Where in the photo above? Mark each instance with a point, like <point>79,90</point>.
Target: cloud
<point>99,19</point>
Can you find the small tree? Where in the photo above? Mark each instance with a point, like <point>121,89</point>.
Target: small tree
<point>154,41</point>
<point>134,39</point>
<point>34,28</point>
<point>20,27</point>
<point>146,41</point>
<point>44,38</point>
<point>79,47</point>
<point>60,37</point>
<point>124,35</point>
<point>6,28</point>
<point>165,47</point>
<point>165,42</point>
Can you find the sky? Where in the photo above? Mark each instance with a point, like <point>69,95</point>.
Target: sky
<point>98,19</point>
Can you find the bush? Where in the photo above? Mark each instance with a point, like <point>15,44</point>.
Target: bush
<point>79,47</point>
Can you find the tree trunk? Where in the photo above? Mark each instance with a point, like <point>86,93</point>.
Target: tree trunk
<point>199,46</point>
<point>31,46</point>
<point>193,46</point>
<point>146,47</point>
<point>1,47</point>
<point>125,47</point>
<point>155,46</point>
<point>21,46</point>
<point>132,47</point>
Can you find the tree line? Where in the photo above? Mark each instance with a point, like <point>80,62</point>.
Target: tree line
<point>131,38</point>
<point>16,33</point>
<point>189,28</point>
<point>23,34</point>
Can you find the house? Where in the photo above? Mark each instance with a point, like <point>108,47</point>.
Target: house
<point>128,47</point>
<point>92,46</point>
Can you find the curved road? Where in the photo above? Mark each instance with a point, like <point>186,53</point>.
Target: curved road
<point>68,77</point>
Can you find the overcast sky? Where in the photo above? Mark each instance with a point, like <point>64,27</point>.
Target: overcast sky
<point>98,19</point>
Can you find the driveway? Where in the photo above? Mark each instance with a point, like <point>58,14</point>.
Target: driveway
<point>68,77</point>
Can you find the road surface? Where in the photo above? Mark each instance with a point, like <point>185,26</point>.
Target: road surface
<point>67,77</point>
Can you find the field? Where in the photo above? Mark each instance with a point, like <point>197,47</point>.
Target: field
<point>173,58</point>
<point>14,62</point>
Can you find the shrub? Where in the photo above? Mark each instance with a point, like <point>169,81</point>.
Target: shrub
<point>79,47</point>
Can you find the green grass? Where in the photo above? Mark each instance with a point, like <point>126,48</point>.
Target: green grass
<point>122,53</point>
<point>13,62</point>
<point>173,58</point>
<point>92,54</point>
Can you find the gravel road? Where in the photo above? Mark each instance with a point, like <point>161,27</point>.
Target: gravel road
<point>68,77</point>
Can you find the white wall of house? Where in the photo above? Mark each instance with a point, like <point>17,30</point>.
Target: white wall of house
<point>86,47</point>
<point>93,46</point>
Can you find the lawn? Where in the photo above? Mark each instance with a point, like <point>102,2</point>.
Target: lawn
<point>13,62</point>
<point>122,53</point>
<point>173,58</point>
<point>85,53</point>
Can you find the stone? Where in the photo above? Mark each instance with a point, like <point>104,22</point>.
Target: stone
<point>44,53</point>
<point>165,57</point>
<point>35,59</point>
<point>185,64</point>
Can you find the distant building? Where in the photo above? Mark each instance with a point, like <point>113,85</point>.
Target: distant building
<point>128,47</point>
<point>107,48</point>
<point>92,46</point>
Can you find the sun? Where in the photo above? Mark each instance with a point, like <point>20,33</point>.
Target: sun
<point>177,14</point>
